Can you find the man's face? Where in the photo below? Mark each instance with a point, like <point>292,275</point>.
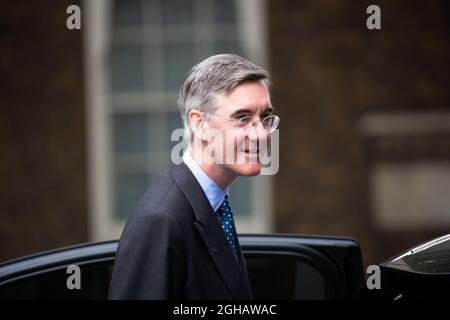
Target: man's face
<point>247,99</point>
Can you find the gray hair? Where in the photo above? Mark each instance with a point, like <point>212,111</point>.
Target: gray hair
<point>216,75</point>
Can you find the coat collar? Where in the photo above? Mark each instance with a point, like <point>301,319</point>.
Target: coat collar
<point>215,195</point>
<point>233,274</point>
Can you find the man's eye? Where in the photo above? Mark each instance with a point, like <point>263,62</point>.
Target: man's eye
<point>243,118</point>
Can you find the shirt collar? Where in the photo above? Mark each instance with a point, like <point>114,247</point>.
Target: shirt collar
<point>212,191</point>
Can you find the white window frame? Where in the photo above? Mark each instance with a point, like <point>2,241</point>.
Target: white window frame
<point>96,34</point>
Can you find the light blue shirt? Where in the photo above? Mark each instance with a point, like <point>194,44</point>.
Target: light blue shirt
<point>212,191</point>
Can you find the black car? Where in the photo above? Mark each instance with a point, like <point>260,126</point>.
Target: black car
<point>294,267</point>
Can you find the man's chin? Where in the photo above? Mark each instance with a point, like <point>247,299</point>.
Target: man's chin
<point>248,170</point>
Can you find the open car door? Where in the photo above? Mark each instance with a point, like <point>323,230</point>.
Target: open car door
<point>300,267</point>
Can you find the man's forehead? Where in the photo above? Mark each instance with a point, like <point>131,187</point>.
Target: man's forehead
<point>252,97</point>
<point>250,105</point>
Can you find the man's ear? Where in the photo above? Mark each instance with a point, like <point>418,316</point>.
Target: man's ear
<point>197,123</point>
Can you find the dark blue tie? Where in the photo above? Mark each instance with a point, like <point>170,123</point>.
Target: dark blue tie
<point>226,220</point>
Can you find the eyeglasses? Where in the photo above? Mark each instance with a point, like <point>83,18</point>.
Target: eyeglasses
<point>270,123</point>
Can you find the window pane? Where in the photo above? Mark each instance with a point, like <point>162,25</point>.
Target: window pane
<point>158,140</point>
<point>204,50</point>
<point>130,133</point>
<point>152,62</point>
<point>129,187</point>
<point>177,12</point>
<point>179,58</point>
<point>203,11</point>
<point>174,123</point>
<point>127,72</point>
<point>241,196</point>
<point>152,12</point>
<point>127,13</point>
<point>227,47</point>
<point>224,11</point>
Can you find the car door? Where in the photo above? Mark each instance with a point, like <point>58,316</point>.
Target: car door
<point>421,272</point>
<point>44,275</point>
<point>279,267</point>
<point>301,267</point>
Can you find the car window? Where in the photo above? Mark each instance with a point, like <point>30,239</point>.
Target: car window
<point>271,277</point>
<point>287,277</point>
<point>52,284</point>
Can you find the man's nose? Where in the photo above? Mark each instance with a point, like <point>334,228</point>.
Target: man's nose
<point>257,131</point>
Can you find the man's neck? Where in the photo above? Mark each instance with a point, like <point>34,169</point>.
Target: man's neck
<point>215,172</point>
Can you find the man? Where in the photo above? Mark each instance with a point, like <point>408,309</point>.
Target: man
<point>181,242</point>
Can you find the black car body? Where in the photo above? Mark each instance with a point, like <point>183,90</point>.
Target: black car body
<point>294,267</point>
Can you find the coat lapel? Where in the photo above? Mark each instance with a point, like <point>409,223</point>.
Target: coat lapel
<point>209,228</point>
<point>242,264</point>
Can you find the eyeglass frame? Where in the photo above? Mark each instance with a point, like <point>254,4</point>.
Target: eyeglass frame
<point>239,121</point>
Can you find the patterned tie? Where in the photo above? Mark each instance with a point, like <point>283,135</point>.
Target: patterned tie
<point>226,219</point>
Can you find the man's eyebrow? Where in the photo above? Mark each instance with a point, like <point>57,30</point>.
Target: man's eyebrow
<point>239,111</point>
<point>269,108</point>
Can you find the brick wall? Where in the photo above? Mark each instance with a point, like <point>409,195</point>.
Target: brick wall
<point>42,129</point>
<point>329,71</point>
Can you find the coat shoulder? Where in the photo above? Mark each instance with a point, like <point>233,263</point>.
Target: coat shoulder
<point>163,200</point>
